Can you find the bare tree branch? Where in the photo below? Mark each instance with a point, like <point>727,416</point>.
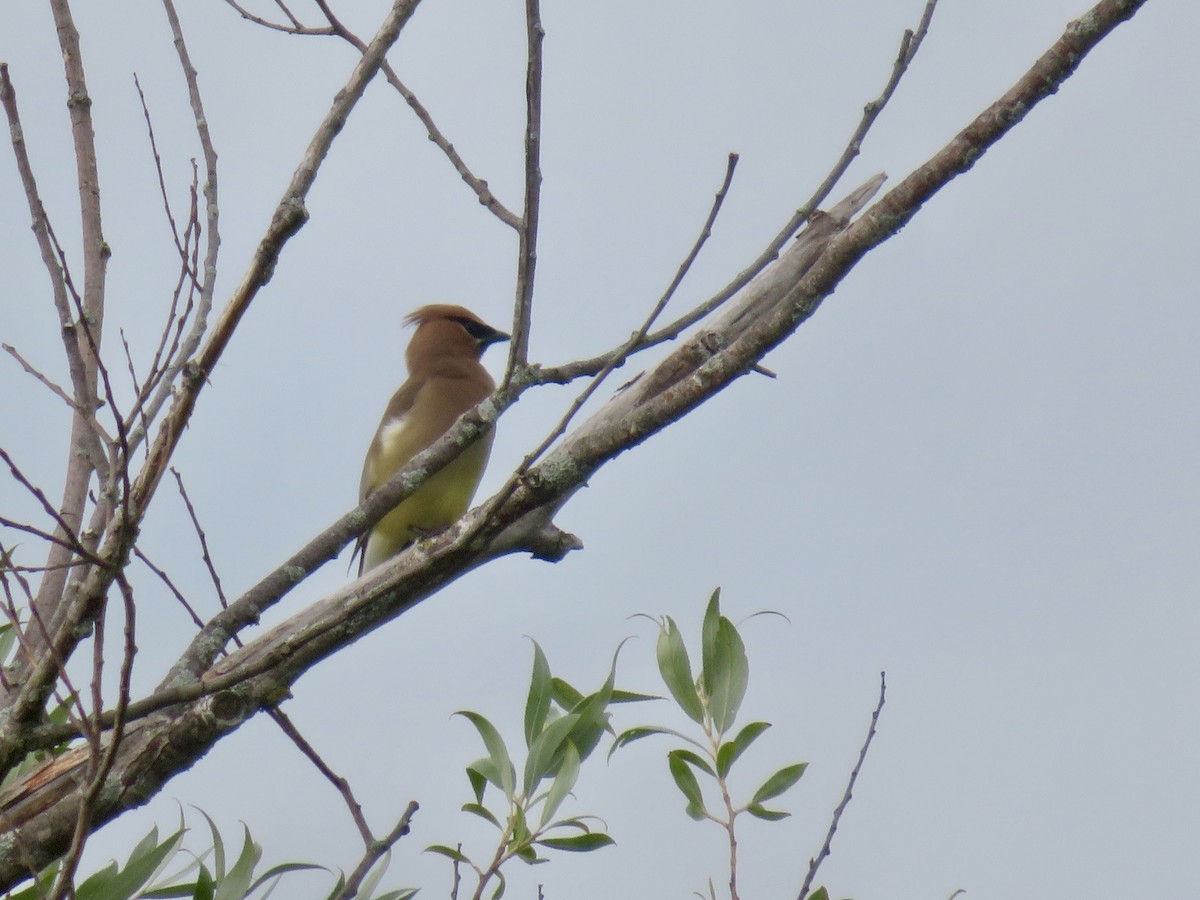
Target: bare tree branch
<point>518,355</point>
<point>815,863</point>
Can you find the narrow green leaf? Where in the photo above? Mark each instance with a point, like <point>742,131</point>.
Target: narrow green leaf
<point>529,856</point>
<point>501,884</point>
<point>819,894</point>
<point>520,827</point>
<point>284,869</point>
<point>537,704</point>
<point>236,883</point>
<point>619,696</point>
<point>686,781</point>
<point>564,695</point>
<point>709,656</point>
<point>580,843</point>
<point>567,775</point>
<point>696,760</point>
<point>730,676</point>
<point>449,853</point>
<point>477,809</point>
<point>486,769</point>
<point>779,782</point>
<point>729,751</point>
<point>496,750</point>
<point>145,860</point>
<point>643,731</point>
<point>218,847</point>
<point>676,671</point>
<point>591,721</point>
<point>206,885</point>
<point>367,889</point>
<point>761,812</point>
<point>478,778</point>
<point>546,752</point>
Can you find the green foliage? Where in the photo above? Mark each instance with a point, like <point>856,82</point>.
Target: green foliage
<point>562,727</point>
<point>209,875</point>
<point>712,699</point>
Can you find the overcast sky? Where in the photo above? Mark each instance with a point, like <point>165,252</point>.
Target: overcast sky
<point>978,469</point>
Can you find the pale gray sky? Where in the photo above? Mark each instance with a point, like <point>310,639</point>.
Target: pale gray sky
<point>978,470</point>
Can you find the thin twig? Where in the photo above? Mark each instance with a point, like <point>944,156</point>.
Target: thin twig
<point>480,186</point>
<point>343,786</point>
<point>69,539</point>
<point>183,350</point>
<point>815,863</point>
<point>617,358</point>
<point>294,28</point>
<point>102,759</point>
<point>518,354</point>
<point>375,851</point>
<point>56,390</point>
<point>909,43</point>
<point>165,579</point>
<point>208,562</point>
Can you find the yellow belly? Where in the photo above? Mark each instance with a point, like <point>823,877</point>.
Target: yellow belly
<point>437,503</point>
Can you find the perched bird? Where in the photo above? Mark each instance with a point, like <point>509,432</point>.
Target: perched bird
<point>445,379</point>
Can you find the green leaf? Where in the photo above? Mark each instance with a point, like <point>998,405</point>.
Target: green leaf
<point>729,751</point>
<point>696,760</point>
<point>366,890</point>
<point>819,894</point>
<point>477,775</point>
<point>529,856</point>
<point>686,781</point>
<point>567,775</point>
<point>283,869</point>
<point>449,852</point>
<point>676,671</point>
<point>761,812</point>
<point>477,809</point>
<point>580,843</point>
<point>709,656</point>
<point>206,886</point>
<point>730,675</point>
<point>779,782</point>
<point>546,752</point>
<point>144,861</point>
<point>537,704</point>
<point>520,827</point>
<point>496,751</point>
<point>218,847</point>
<point>39,889</point>
<point>564,695</point>
<point>501,884</point>
<point>619,696</point>
<point>235,885</point>
<point>636,734</point>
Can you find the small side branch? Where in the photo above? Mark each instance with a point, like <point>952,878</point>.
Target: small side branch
<point>815,863</point>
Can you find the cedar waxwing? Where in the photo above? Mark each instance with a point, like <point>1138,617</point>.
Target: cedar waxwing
<point>445,379</point>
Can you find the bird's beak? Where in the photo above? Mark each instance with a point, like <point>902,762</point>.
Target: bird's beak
<point>495,337</point>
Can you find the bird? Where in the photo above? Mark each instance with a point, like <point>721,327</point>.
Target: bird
<point>445,379</point>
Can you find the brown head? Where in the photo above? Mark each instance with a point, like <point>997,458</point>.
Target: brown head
<point>447,334</point>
